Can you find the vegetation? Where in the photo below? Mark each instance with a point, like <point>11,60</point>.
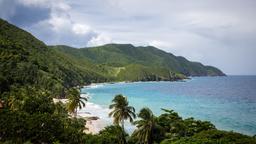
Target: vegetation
<point>121,111</point>
<point>75,101</point>
<point>145,127</point>
<point>24,60</point>
<point>33,117</point>
<point>126,62</point>
<point>214,137</point>
<point>31,74</point>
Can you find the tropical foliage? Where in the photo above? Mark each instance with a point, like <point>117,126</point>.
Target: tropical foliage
<point>121,110</point>
<point>124,62</point>
<point>145,127</point>
<point>31,74</point>
<point>35,118</point>
<point>75,101</point>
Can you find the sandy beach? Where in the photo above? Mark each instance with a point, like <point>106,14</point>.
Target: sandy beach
<point>92,113</point>
<point>94,126</point>
<point>95,116</point>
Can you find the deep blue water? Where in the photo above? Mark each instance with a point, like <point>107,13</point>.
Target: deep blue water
<point>228,102</point>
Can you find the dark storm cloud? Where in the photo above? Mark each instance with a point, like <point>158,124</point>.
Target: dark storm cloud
<point>22,15</point>
<point>26,16</point>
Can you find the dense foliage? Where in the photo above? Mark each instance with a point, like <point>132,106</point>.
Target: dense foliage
<point>24,60</point>
<point>31,74</point>
<point>214,137</point>
<point>121,111</point>
<point>31,116</point>
<point>127,62</point>
<point>75,101</point>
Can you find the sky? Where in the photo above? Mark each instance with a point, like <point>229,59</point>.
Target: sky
<point>220,33</point>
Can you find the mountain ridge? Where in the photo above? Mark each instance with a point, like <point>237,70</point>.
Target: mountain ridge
<point>25,60</point>
<point>151,56</point>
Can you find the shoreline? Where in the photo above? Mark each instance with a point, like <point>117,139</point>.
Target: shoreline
<point>94,126</point>
<point>180,80</point>
<point>220,125</point>
<point>94,122</point>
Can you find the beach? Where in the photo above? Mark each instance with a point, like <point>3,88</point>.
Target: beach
<point>94,126</point>
<point>92,113</point>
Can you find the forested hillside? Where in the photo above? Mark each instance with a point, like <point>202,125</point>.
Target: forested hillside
<point>127,56</point>
<point>31,74</point>
<point>25,60</point>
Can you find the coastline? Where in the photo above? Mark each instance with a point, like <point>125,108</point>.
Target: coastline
<point>95,110</point>
<point>202,99</point>
<point>91,113</point>
<point>95,120</point>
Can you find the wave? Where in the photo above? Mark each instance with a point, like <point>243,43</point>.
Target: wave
<point>96,110</point>
<point>94,85</point>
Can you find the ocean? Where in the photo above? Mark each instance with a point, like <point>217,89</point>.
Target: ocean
<point>228,102</point>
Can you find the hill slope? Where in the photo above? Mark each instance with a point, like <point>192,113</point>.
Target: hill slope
<point>126,55</point>
<point>26,61</point>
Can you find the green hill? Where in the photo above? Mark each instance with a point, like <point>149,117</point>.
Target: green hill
<point>148,60</point>
<point>31,73</point>
<point>26,60</point>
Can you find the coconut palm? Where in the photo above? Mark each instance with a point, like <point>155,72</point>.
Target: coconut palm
<point>75,101</point>
<point>145,126</point>
<point>121,110</point>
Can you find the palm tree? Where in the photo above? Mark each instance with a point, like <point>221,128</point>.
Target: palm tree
<point>145,126</point>
<point>121,110</point>
<point>75,101</point>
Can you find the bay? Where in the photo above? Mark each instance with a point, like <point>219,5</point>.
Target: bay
<point>228,102</point>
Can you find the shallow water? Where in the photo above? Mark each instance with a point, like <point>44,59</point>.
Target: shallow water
<point>228,102</point>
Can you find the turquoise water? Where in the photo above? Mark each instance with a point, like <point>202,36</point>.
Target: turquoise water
<point>228,102</point>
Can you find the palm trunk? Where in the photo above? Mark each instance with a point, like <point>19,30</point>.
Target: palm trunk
<point>122,122</point>
<point>123,132</point>
<point>75,112</point>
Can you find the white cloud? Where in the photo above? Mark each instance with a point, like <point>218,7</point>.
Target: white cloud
<point>213,32</point>
<point>60,27</point>
<point>100,39</point>
<point>59,23</point>
<point>81,29</point>
<point>162,44</point>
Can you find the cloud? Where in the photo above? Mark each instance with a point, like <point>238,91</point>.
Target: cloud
<point>99,40</point>
<point>164,45</point>
<point>219,33</point>
<point>159,43</point>
<point>62,30</point>
<point>56,4</point>
<point>36,3</point>
<point>51,22</point>
<point>7,8</point>
<point>81,29</point>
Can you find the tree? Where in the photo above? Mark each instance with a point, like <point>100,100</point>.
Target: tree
<point>75,101</point>
<point>121,111</point>
<point>112,134</point>
<point>145,126</point>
